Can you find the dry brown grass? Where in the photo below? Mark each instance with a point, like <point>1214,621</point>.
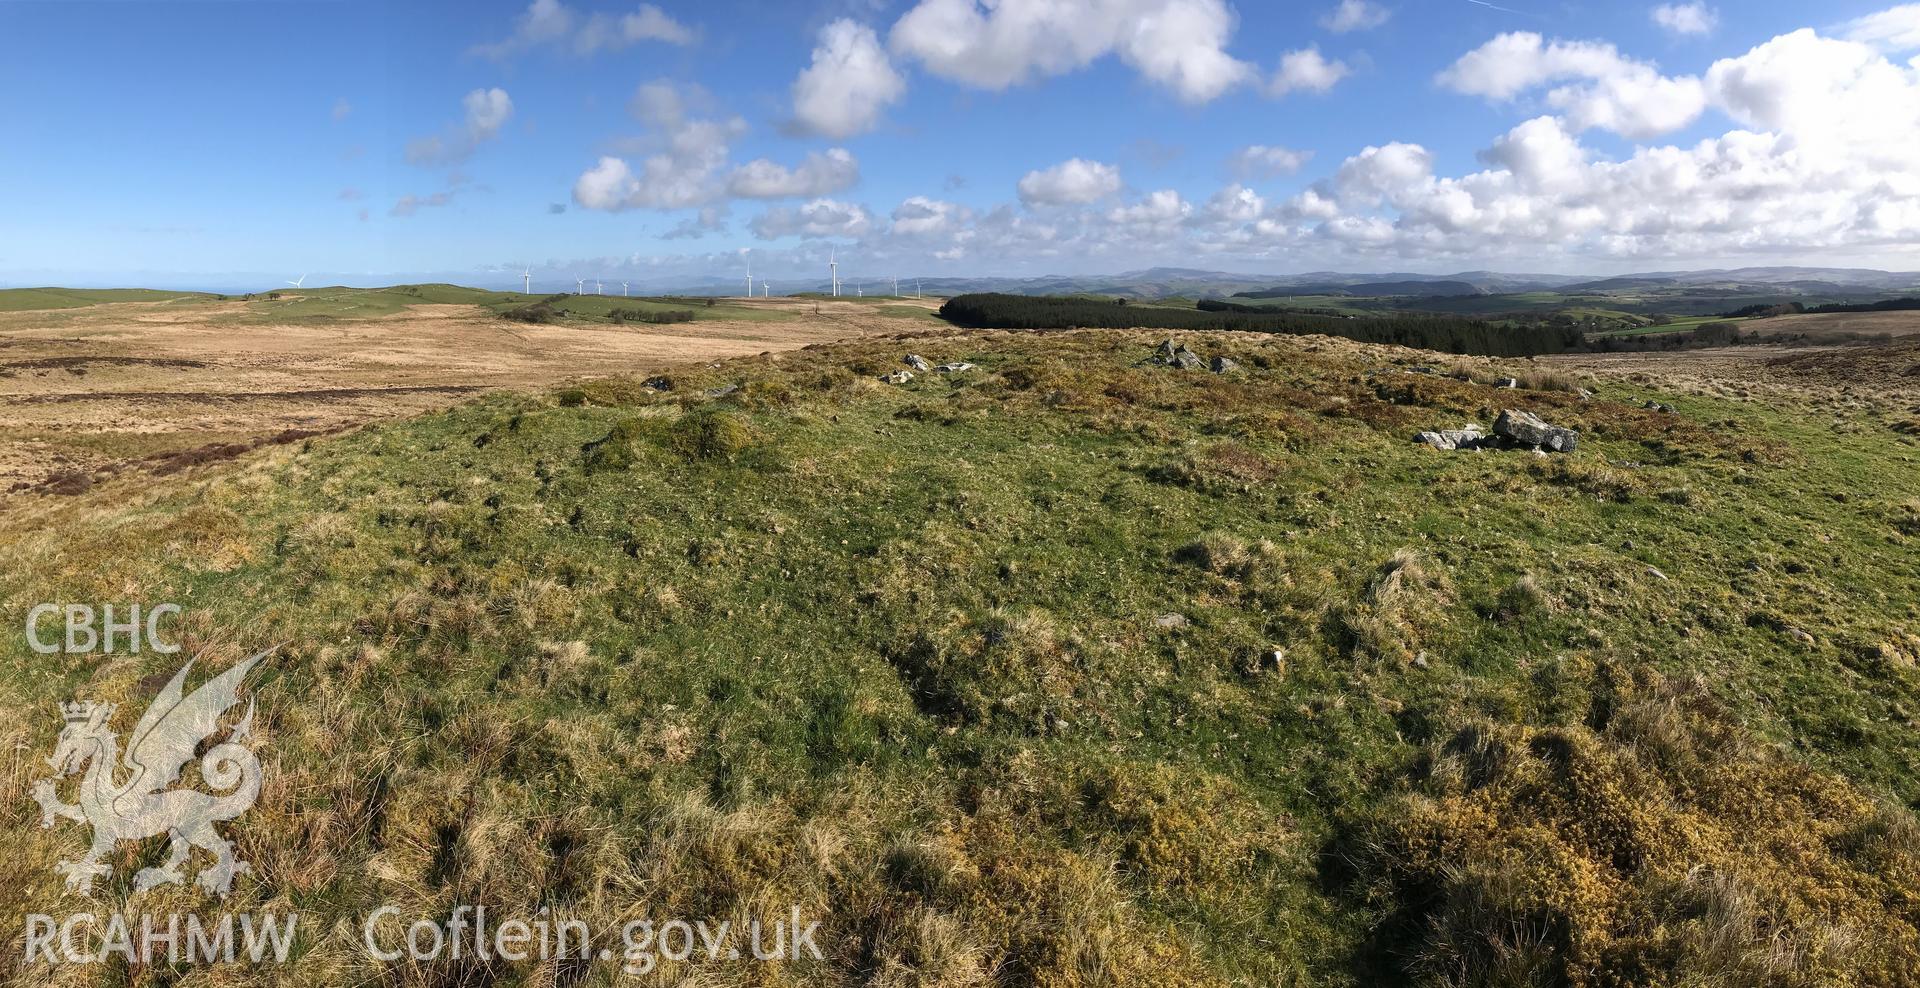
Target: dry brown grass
<point>1660,845</point>
<point>168,388</point>
<point>1394,620</point>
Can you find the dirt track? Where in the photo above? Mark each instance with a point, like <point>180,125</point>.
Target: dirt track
<point>83,389</point>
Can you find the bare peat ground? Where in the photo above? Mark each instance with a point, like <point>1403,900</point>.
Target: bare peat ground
<point>1879,380</point>
<point>109,387</point>
<point>1836,326</point>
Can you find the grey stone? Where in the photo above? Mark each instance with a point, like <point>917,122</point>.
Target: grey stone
<point>1452,439</point>
<point>1528,429</point>
<point>1224,365</point>
<point>1654,406</point>
<point>956,367</point>
<point>1171,354</point>
<point>659,382</point>
<point>918,363</point>
<point>723,391</point>
<point>1507,383</point>
<point>897,377</point>
<point>1170,621</point>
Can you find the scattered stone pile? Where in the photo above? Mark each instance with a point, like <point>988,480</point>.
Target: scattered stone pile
<point>921,364</point>
<point>1513,430</point>
<point>1654,406</point>
<point>1179,357</point>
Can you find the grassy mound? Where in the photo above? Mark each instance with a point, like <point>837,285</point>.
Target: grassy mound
<point>1067,670</point>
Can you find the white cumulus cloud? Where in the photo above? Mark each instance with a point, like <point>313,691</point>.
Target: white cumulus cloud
<point>1158,210</point>
<point>1260,161</point>
<point>1686,18</point>
<point>921,216</point>
<point>485,112</point>
<point>551,23</point>
<point>1594,85</point>
<point>850,83</point>
<point>820,174</point>
<point>1179,45</point>
<point>1897,29</point>
<point>681,158</point>
<point>1355,15</point>
<point>817,219</point>
<point>1307,71</point>
<point>1073,182</point>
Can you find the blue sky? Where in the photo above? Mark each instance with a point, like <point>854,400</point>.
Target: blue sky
<point>219,143</point>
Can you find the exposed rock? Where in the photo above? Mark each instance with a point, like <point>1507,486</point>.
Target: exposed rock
<point>1507,383</point>
<point>1171,354</point>
<point>1451,439</point>
<point>897,377</point>
<point>1170,621</point>
<point>1800,635</point>
<point>954,368</point>
<point>1656,574</point>
<point>918,363</point>
<point>1224,365</point>
<point>1654,406</point>
<point>723,391</point>
<point>658,382</point>
<point>1528,429</point>
<point>1420,370</point>
<point>1583,394</point>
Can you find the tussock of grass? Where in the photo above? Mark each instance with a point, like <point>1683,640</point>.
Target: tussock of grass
<point>1403,605</point>
<point>1658,844</point>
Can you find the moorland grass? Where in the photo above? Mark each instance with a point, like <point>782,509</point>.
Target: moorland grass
<point>1070,670</point>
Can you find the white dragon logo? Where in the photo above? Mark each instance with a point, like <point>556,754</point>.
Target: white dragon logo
<point>143,806</point>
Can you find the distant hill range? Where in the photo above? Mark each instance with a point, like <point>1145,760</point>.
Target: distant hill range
<point>1460,291</point>
<point>1375,289</point>
<point>1155,283</point>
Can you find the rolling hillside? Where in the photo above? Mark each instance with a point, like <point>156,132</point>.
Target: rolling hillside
<point>1065,669</point>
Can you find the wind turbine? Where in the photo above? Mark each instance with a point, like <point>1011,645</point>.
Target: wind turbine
<point>623,289</point>
<point>299,284</point>
<point>749,257</point>
<point>916,288</point>
<point>896,288</point>
<point>766,288</point>
<point>599,287</point>
<point>579,286</point>
<point>526,278</point>
<point>833,265</point>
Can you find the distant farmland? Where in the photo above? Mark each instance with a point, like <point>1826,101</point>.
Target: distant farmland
<point>1839,325</point>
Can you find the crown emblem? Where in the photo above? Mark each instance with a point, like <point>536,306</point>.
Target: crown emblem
<point>86,712</point>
